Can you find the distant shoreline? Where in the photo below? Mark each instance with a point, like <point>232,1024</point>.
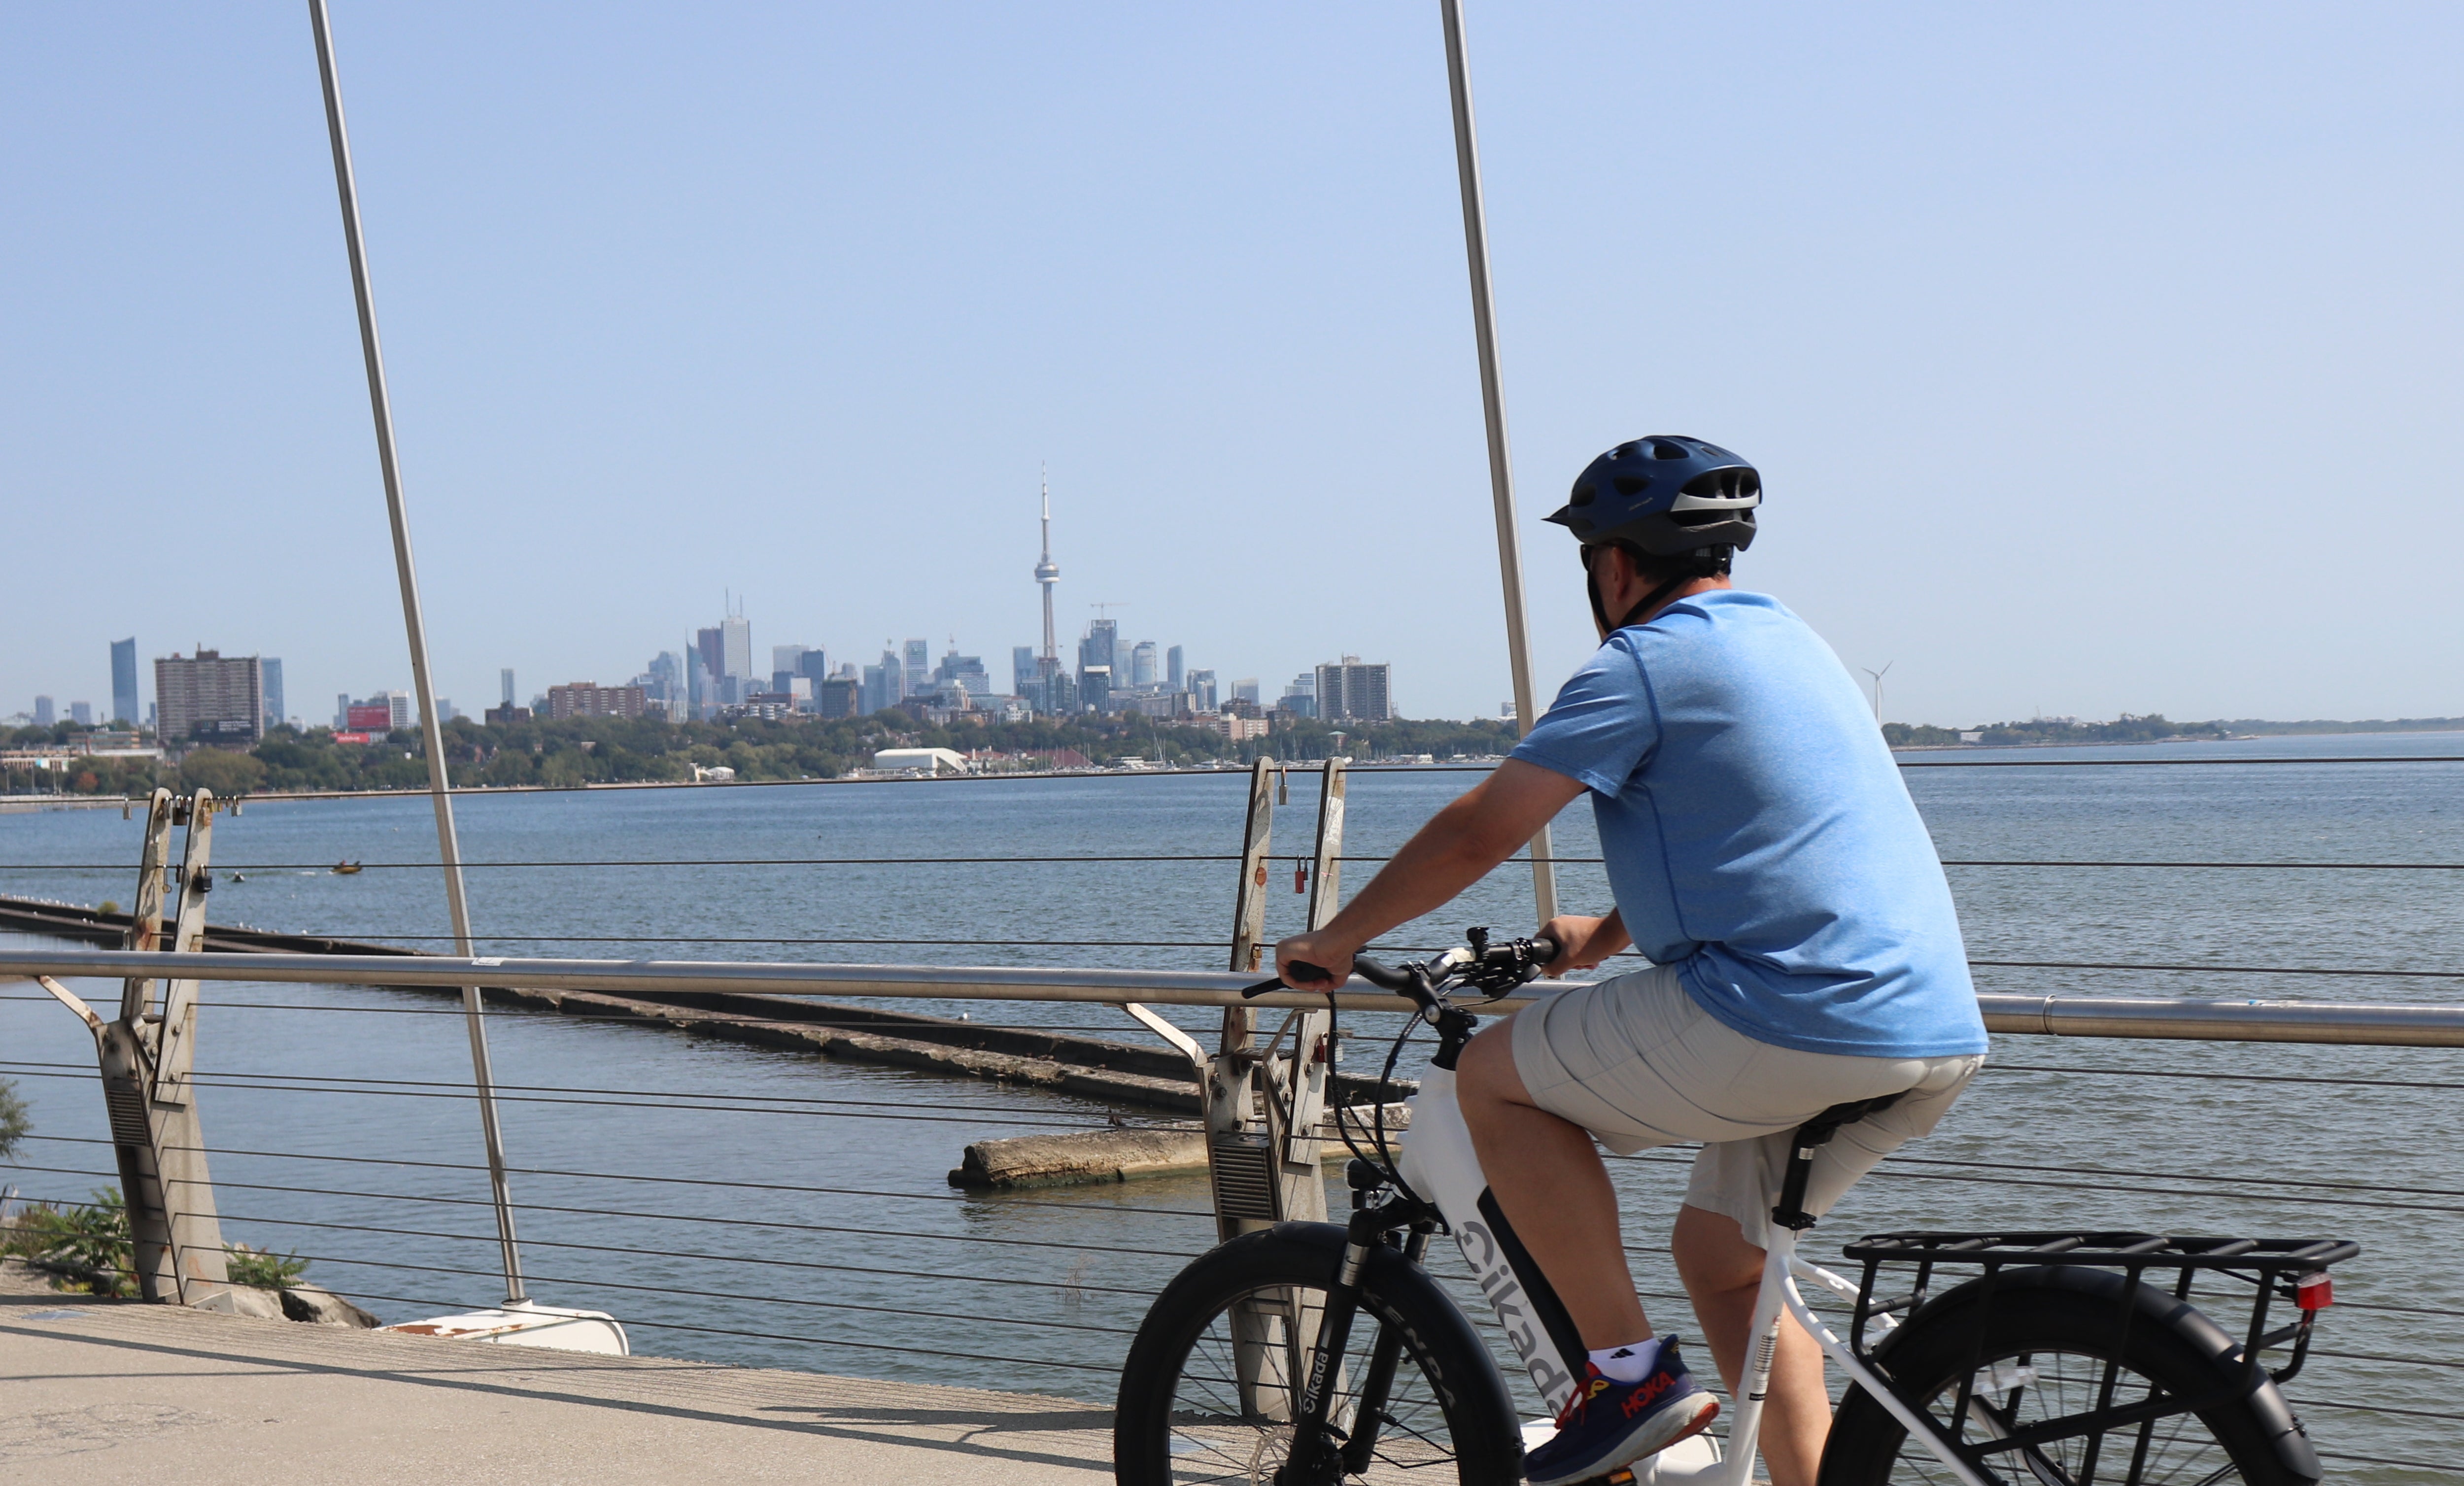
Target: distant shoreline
<point>2294,732</point>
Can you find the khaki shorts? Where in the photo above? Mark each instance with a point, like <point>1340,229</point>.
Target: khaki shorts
<point>1638,1063</point>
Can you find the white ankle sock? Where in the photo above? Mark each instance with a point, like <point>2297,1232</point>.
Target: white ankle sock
<point>1626,1364</point>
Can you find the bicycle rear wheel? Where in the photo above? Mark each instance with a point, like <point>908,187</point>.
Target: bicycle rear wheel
<point>1212,1381</point>
<point>2041,1364</point>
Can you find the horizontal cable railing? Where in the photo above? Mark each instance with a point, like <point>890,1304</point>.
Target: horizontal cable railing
<point>1150,858</point>
<point>2296,1022</point>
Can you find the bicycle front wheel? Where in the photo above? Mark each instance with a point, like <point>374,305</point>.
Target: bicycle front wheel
<point>1213,1379</point>
<point>2180,1408</point>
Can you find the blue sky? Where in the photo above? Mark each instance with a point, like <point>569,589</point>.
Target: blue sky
<point>2097,359</point>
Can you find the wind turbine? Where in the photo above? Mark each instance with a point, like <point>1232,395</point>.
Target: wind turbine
<point>1877,676</point>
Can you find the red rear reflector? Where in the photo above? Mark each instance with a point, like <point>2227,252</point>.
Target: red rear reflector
<point>2314,1292</point>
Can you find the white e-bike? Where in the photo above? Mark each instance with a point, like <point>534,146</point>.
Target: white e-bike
<point>1317,1354</point>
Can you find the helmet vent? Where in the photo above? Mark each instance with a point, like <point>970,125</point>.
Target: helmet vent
<point>1725,485</point>
<point>1583,494</point>
<point>1669,449</point>
<point>1633,483</point>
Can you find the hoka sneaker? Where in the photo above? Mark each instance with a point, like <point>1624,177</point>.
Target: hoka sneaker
<point>1609,1424</point>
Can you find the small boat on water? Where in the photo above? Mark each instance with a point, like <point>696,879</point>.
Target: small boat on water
<point>345,868</point>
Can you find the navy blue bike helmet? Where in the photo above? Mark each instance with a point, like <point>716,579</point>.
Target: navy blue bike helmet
<point>1667,496</point>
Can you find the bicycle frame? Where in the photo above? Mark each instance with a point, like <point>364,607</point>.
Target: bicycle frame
<point>1438,1160</point>
<point>1443,1184</point>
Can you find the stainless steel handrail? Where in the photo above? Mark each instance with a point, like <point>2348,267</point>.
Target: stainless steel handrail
<point>2057,1015</point>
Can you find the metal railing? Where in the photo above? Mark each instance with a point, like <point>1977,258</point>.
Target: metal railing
<point>739,1281</point>
<point>2057,1015</point>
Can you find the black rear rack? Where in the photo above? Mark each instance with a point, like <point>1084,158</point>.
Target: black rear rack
<point>2271,1268</point>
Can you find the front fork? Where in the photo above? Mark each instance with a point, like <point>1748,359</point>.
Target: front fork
<point>1320,1451</point>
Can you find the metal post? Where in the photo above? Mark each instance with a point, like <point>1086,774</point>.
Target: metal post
<point>1492,404</point>
<point>1309,1069</point>
<point>175,1239</point>
<point>431,727</point>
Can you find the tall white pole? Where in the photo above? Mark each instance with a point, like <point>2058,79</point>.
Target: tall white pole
<point>1492,402</point>
<point>431,727</point>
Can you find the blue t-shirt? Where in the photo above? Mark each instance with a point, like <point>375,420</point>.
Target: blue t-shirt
<point>1758,835</point>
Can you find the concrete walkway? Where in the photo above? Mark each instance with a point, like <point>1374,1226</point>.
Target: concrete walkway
<point>110,1391</point>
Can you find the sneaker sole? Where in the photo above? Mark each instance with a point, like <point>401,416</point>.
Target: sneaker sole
<point>1656,1434</point>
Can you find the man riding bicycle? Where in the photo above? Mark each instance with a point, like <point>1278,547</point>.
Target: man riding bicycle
<point>1804,953</point>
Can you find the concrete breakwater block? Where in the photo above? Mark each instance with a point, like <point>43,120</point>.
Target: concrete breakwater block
<point>1120,1155</point>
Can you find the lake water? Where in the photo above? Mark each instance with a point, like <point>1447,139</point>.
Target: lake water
<point>777,1210</point>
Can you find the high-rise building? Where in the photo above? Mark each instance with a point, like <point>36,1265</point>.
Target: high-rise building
<point>1173,676</point>
<point>1103,638</point>
<point>736,642</point>
<point>961,670</point>
<point>661,681</point>
<point>505,686</point>
<point>1201,690</point>
<point>840,696</point>
<point>43,714</point>
<point>341,712</point>
<point>697,700</point>
<point>1350,690</point>
<point>270,669</point>
<point>1022,674</point>
<point>123,681</point>
<point>208,697</point>
<point>81,713</point>
<point>785,660</point>
<point>1246,689</point>
<point>1096,689</point>
<point>885,685</point>
<point>1142,663</point>
<point>1300,697</point>
<point>917,666</point>
<point>814,666</point>
<point>711,644</point>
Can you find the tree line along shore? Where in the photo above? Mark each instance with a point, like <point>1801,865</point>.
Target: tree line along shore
<point>575,752</point>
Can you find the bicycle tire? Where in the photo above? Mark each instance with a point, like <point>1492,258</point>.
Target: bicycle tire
<point>2072,1317</point>
<point>1176,1424</point>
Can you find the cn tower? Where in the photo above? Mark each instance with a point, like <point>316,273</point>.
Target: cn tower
<point>1048,663</point>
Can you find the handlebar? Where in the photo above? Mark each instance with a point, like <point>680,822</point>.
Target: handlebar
<point>1496,967</point>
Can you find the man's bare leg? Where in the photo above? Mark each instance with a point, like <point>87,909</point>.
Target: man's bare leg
<point>1547,1179</point>
<point>1723,1273</point>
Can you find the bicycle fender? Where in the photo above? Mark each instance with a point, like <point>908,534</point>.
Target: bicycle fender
<point>2155,1307</point>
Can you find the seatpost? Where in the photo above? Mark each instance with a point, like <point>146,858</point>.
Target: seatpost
<point>1788,1219</point>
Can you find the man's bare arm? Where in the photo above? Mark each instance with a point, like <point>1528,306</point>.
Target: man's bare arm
<point>1459,846</point>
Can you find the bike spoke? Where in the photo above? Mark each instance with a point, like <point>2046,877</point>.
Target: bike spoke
<point>2059,1391</point>
<point>1239,1389</point>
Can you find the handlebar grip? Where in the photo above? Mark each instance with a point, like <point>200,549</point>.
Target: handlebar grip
<point>1301,969</point>
<point>1376,975</point>
<point>1547,948</point>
